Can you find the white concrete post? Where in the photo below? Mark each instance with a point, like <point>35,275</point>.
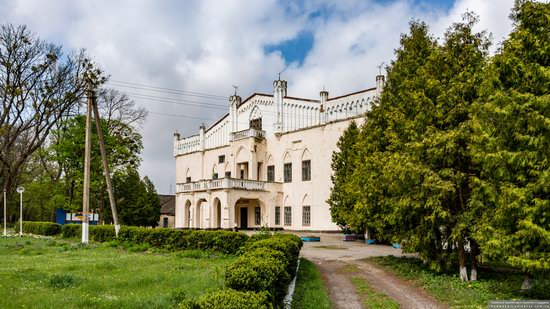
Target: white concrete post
<point>324,98</point>
<point>279,92</point>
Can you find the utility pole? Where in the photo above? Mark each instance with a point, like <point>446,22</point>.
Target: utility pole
<point>87,157</point>
<point>105,165</point>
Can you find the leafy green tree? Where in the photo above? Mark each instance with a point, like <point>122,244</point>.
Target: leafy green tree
<point>137,200</point>
<point>38,86</point>
<point>122,147</point>
<point>343,164</point>
<point>513,127</point>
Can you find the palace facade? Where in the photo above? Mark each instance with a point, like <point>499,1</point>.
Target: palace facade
<point>267,162</point>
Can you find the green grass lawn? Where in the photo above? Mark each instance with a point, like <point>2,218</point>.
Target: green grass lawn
<point>447,287</point>
<point>310,291</point>
<point>50,273</point>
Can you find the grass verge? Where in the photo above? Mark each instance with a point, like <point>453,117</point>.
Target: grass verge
<point>310,291</point>
<point>54,273</point>
<point>448,287</point>
<point>371,298</point>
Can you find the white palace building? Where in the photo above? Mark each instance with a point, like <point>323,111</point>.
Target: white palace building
<point>266,163</point>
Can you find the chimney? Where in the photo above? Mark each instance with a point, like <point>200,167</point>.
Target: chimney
<point>279,92</point>
<point>380,81</point>
<point>234,102</point>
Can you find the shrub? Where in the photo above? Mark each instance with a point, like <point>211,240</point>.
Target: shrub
<point>220,241</point>
<point>102,233</point>
<point>40,228</point>
<point>259,270</point>
<point>62,281</point>
<point>71,231</point>
<point>287,244</point>
<point>230,299</point>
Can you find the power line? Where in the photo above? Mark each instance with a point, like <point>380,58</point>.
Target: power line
<point>180,116</point>
<point>175,101</point>
<point>168,90</point>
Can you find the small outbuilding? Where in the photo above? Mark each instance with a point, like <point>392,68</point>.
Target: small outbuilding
<point>167,211</point>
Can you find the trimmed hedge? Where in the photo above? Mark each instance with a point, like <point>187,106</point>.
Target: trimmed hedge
<point>229,299</point>
<point>266,265</point>
<point>40,228</point>
<point>220,241</point>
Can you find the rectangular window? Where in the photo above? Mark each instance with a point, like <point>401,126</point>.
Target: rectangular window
<point>256,124</point>
<point>288,172</point>
<point>164,222</point>
<point>306,170</point>
<point>228,174</point>
<point>306,215</point>
<point>257,216</point>
<point>288,215</point>
<point>277,215</point>
<point>271,173</point>
<point>221,159</point>
<point>215,176</point>
<point>188,179</point>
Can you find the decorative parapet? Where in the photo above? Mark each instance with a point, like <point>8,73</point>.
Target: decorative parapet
<point>235,136</point>
<point>187,145</point>
<point>222,183</point>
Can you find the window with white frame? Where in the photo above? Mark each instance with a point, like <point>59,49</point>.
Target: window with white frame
<point>271,173</point>
<point>306,170</point>
<point>277,215</point>
<point>288,215</point>
<point>257,216</point>
<point>288,172</point>
<point>306,215</point>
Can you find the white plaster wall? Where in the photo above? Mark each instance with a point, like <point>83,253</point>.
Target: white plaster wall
<point>319,139</point>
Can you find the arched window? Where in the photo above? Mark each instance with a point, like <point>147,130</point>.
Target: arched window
<point>306,211</point>
<point>306,165</point>
<point>287,167</point>
<point>255,118</point>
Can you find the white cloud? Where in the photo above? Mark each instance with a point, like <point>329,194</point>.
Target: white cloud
<point>208,46</point>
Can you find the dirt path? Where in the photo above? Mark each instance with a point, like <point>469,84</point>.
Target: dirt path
<point>331,257</point>
<point>341,290</point>
<point>403,292</point>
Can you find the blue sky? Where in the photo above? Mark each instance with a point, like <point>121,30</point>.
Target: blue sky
<point>296,49</point>
<point>207,46</point>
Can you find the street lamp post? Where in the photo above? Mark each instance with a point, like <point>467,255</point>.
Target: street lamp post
<point>20,190</point>
<point>5,229</point>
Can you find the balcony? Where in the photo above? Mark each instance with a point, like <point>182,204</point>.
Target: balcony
<point>222,183</point>
<point>187,145</point>
<point>235,136</point>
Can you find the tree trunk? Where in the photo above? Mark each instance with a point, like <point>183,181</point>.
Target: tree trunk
<point>527,282</point>
<point>462,261</point>
<point>474,252</point>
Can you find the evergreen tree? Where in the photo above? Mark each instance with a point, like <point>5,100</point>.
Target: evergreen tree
<point>513,145</point>
<point>137,200</point>
<point>416,180</point>
<point>343,164</point>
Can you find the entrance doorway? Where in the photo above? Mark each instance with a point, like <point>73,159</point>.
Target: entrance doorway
<point>244,217</point>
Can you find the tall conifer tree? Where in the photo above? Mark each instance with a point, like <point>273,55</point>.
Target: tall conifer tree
<point>513,125</point>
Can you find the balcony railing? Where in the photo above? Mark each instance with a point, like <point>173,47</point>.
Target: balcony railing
<point>222,183</point>
<point>187,145</point>
<point>235,136</point>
